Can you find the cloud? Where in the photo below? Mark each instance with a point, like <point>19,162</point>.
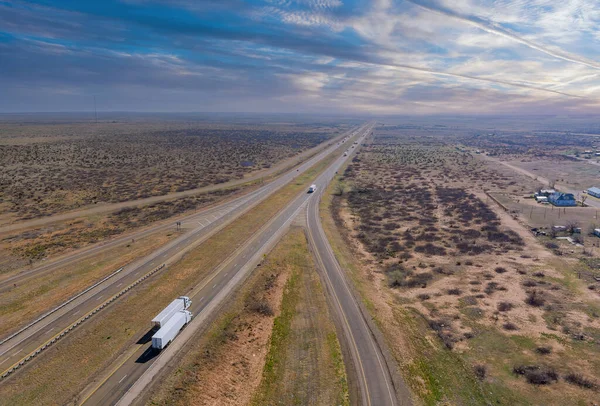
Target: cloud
<point>491,27</point>
<point>301,55</point>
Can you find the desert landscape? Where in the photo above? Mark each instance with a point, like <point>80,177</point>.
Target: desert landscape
<point>458,281</point>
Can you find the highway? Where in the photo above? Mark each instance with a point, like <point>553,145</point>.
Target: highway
<point>191,221</point>
<point>16,348</point>
<point>111,207</point>
<point>141,365</point>
<point>370,368</point>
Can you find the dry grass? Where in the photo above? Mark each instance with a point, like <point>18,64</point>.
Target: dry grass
<point>304,364</point>
<point>60,238</point>
<point>223,368</point>
<point>28,300</point>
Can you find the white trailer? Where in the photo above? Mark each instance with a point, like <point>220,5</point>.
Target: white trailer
<point>177,305</point>
<point>170,329</point>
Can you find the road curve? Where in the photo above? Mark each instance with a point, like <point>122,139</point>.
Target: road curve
<point>141,366</point>
<point>16,348</point>
<point>370,367</point>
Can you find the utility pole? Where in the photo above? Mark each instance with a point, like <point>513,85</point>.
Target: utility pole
<point>95,111</point>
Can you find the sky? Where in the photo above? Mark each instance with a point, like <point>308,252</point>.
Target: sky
<point>301,56</point>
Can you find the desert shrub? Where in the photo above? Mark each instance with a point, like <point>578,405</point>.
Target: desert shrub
<point>543,350</point>
<point>491,287</point>
<point>443,270</point>
<point>480,371</point>
<point>535,299</point>
<point>454,292</point>
<point>510,326</point>
<point>539,274</point>
<point>406,255</point>
<point>580,380</point>
<point>500,270</point>
<point>469,300</point>
<point>423,296</point>
<point>505,306</point>
<point>398,276</point>
<point>529,283</point>
<point>536,375</point>
<point>260,306</point>
<point>430,249</point>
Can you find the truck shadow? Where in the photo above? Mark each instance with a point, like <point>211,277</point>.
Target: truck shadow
<point>150,352</point>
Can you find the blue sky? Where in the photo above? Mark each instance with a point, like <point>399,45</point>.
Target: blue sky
<point>307,56</point>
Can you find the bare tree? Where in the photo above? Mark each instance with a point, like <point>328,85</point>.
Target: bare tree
<point>571,226</point>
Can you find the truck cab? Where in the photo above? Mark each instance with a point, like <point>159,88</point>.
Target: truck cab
<point>312,188</point>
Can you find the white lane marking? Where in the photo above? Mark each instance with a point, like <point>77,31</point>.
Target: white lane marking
<point>121,380</point>
<point>77,312</point>
<point>100,297</point>
<point>214,286</point>
<point>226,273</point>
<point>50,329</point>
<point>235,265</point>
<point>202,298</point>
<point>17,352</point>
<point>119,284</point>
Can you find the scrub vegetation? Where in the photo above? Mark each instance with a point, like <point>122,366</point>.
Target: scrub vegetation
<point>456,283</point>
<point>50,168</point>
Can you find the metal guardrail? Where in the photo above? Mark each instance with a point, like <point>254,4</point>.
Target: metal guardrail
<point>67,330</point>
<point>42,317</point>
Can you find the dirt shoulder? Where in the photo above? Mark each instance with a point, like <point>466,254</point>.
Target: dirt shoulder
<point>268,345</point>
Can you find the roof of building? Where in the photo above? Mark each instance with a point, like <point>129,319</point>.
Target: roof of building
<point>594,190</point>
<point>562,196</point>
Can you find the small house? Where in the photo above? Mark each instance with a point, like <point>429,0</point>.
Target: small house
<point>562,199</point>
<point>594,191</point>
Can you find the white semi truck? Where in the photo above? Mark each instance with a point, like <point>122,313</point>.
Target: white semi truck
<point>170,329</point>
<point>177,305</point>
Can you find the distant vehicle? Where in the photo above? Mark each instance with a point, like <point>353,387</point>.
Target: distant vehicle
<point>312,188</point>
<point>170,329</point>
<point>177,305</point>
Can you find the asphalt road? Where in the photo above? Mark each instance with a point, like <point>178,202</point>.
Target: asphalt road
<point>15,348</point>
<point>141,364</point>
<point>189,220</point>
<point>370,368</point>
